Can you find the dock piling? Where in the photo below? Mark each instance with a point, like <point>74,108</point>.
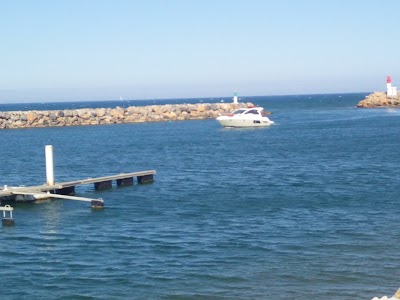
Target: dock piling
<point>97,203</point>
<point>145,178</point>
<point>7,220</point>
<point>49,164</point>
<point>125,181</point>
<point>70,191</point>
<point>102,185</point>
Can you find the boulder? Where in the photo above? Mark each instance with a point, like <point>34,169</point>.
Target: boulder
<point>101,112</point>
<point>31,117</point>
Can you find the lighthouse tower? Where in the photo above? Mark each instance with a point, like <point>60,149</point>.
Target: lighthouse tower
<point>391,91</point>
<point>235,98</point>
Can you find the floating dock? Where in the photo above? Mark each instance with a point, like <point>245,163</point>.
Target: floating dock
<point>66,190</point>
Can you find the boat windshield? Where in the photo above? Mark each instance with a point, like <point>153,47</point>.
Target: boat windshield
<point>253,111</point>
<point>239,111</point>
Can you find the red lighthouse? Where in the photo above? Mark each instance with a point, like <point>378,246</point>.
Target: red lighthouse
<point>391,91</point>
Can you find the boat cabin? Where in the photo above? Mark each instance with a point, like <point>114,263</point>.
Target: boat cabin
<point>254,110</point>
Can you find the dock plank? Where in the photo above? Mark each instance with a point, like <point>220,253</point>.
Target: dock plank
<point>106,178</point>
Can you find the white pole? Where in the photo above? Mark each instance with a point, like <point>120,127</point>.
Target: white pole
<point>49,165</point>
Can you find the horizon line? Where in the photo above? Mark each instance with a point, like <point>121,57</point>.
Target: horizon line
<point>186,98</point>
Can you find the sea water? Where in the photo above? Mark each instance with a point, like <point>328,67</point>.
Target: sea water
<point>305,209</point>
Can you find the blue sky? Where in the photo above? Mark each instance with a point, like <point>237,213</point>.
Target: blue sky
<point>103,50</point>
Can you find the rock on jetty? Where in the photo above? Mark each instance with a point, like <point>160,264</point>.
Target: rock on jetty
<point>394,297</point>
<point>132,114</point>
<point>379,99</point>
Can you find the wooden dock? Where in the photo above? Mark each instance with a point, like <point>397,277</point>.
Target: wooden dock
<point>68,188</point>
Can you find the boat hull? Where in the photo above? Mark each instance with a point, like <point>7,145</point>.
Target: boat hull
<point>242,122</point>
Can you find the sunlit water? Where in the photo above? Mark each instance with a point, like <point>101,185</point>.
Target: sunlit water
<point>305,209</point>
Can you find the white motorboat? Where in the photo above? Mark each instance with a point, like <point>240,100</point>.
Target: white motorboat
<point>246,117</point>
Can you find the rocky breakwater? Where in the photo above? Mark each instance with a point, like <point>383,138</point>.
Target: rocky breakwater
<point>379,99</point>
<point>132,114</point>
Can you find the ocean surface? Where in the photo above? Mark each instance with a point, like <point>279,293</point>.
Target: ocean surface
<point>306,209</point>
